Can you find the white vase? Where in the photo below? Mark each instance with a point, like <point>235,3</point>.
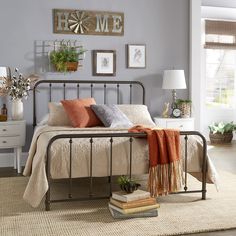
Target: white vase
<point>17,110</point>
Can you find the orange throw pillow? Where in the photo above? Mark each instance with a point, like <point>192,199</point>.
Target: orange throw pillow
<point>80,113</point>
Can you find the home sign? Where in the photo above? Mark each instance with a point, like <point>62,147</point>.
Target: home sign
<point>88,22</point>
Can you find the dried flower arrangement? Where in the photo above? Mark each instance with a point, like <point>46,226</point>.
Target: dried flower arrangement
<point>18,87</point>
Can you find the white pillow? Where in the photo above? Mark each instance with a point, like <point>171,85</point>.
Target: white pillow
<point>57,115</point>
<point>137,114</point>
<point>44,120</point>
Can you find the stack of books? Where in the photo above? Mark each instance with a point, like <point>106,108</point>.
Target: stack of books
<point>133,205</point>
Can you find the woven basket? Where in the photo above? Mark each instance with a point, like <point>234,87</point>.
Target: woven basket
<point>185,108</point>
<point>219,138</point>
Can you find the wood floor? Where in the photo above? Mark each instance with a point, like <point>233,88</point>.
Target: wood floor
<point>224,158</point>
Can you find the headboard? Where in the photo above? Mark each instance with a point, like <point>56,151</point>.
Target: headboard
<point>91,85</point>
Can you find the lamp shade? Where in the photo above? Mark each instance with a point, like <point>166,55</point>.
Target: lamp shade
<point>173,79</point>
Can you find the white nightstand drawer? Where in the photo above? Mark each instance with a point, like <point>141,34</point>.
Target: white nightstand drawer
<point>187,125</point>
<point>6,142</point>
<point>12,135</point>
<point>183,124</point>
<point>10,130</point>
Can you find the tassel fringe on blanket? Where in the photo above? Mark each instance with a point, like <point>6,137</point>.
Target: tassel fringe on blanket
<point>165,171</point>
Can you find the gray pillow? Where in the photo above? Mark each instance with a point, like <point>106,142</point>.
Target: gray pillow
<point>111,116</point>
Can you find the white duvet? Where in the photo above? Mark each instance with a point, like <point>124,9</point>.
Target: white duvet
<point>35,166</point>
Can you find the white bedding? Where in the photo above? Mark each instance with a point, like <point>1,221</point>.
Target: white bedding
<point>35,166</point>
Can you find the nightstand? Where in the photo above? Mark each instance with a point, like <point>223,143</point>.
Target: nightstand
<point>12,135</point>
<point>182,124</point>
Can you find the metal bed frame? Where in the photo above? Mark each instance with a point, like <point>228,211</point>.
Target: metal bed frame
<point>92,136</point>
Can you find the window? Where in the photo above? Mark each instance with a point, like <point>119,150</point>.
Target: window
<point>220,78</point>
<point>220,58</point>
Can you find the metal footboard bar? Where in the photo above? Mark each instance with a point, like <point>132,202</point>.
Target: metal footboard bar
<point>111,137</point>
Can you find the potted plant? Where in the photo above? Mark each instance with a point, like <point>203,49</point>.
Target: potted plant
<point>221,132</point>
<point>66,58</point>
<point>185,107</point>
<point>128,185</point>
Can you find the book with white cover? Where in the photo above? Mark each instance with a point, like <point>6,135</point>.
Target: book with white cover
<point>127,197</point>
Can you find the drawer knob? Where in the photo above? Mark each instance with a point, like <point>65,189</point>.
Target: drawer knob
<point>4,141</point>
<point>4,130</point>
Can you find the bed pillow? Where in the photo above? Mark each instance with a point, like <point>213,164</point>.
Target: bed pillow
<point>80,113</point>
<point>43,120</point>
<point>137,114</point>
<point>111,116</point>
<point>57,115</point>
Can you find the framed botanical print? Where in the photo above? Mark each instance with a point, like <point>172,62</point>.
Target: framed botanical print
<point>136,56</point>
<point>104,62</point>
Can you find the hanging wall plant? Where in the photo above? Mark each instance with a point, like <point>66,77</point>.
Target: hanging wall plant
<point>66,58</point>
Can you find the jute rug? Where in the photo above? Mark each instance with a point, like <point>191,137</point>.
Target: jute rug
<point>178,215</point>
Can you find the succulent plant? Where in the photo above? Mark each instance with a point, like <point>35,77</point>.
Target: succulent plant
<point>128,185</point>
<point>222,127</point>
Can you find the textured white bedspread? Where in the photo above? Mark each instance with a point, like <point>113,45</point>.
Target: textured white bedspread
<point>59,154</point>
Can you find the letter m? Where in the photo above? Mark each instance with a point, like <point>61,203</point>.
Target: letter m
<point>102,23</point>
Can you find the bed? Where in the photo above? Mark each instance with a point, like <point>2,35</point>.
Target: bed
<point>63,152</point>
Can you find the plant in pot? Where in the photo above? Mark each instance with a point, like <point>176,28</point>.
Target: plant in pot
<point>128,185</point>
<point>221,132</point>
<point>185,107</point>
<point>66,58</point>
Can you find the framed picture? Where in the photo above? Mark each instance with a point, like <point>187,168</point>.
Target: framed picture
<point>5,75</point>
<point>104,62</point>
<point>136,56</point>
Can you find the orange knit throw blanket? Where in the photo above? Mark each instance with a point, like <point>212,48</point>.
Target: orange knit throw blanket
<point>165,169</point>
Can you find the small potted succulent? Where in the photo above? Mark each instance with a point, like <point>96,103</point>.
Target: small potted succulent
<point>66,58</point>
<point>221,132</point>
<point>128,185</point>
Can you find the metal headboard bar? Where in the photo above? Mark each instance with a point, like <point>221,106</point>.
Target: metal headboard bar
<point>91,85</point>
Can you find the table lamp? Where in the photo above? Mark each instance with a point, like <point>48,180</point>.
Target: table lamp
<point>173,79</point>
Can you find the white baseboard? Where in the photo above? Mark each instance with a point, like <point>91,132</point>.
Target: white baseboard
<point>7,159</point>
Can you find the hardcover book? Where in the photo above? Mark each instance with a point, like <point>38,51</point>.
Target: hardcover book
<point>118,215</point>
<point>127,197</point>
<point>135,203</point>
<point>134,210</point>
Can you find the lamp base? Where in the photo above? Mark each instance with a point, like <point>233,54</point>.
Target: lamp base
<point>173,105</point>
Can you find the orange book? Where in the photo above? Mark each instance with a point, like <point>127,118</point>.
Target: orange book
<point>137,203</point>
<point>134,210</point>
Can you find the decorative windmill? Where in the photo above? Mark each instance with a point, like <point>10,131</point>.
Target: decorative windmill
<point>79,22</point>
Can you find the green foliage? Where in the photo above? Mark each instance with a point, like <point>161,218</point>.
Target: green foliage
<point>180,101</point>
<point>127,184</point>
<point>222,127</point>
<point>66,54</point>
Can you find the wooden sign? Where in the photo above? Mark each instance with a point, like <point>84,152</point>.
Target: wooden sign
<point>88,22</point>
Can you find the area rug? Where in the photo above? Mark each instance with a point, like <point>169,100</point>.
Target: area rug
<point>178,214</point>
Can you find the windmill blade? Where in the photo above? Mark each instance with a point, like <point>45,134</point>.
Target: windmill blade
<point>81,29</point>
<point>76,30</point>
<point>78,15</point>
<point>72,21</point>
<point>86,28</point>
<point>74,16</point>
<point>82,15</point>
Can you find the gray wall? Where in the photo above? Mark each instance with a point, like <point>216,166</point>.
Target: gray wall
<point>163,25</point>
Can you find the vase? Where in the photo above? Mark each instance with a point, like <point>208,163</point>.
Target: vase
<point>17,109</point>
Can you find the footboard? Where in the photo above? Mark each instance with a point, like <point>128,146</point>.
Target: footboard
<point>112,136</point>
